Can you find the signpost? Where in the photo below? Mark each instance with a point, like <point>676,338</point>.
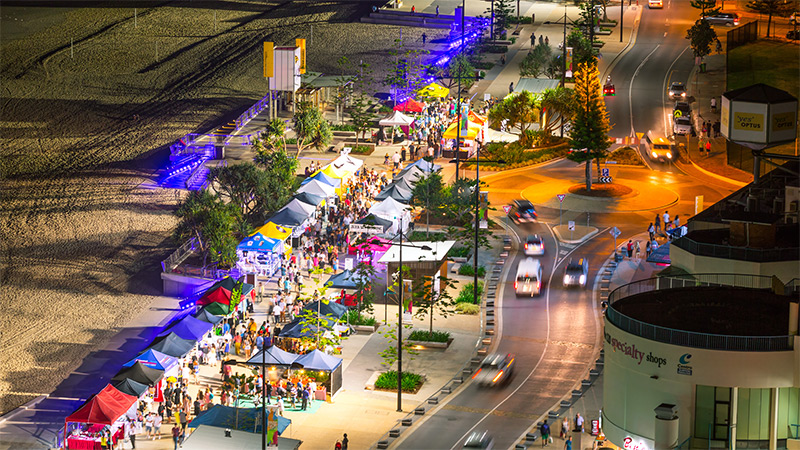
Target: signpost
<point>571,226</point>
<point>507,209</point>
<point>560,202</point>
<point>615,232</point>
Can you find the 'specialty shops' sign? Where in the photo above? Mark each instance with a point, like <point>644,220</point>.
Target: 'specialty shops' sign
<point>642,356</point>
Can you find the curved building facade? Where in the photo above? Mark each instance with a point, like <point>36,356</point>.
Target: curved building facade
<point>699,366</point>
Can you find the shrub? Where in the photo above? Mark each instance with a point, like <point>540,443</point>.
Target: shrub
<point>424,335</point>
<point>388,380</point>
<point>291,141</point>
<point>483,65</point>
<point>494,49</point>
<point>523,20</point>
<point>362,150</point>
<point>343,127</point>
<point>468,308</point>
<point>466,269</point>
<point>356,318</point>
<point>458,252</point>
<point>466,295</point>
<point>626,155</point>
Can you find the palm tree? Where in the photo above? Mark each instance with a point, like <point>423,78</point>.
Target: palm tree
<point>557,104</point>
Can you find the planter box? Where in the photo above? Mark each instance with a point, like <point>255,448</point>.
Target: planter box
<point>366,328</point>
<point>459,259</point>
<point>603,33</point>
<point>607,24</point>
<point>432,345</point>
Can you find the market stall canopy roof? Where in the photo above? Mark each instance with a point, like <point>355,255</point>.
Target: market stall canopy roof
<point>217,309</point>
<point>259,243</point>
<point>227,282</point>
<point>288,218</point>
<point>372,219</point>
<point>394,192</point>
<point>139,372</point>
<point>343,280</point>
<point>215,295</point>
<point>330,309</point>
<point>104,408</point>
<point>297,329</point>
<point>189,328</point>
<point>474,117</point>
<point>247,419</point>
<point>434,90</point>
<point>411,174</point>
<point>274,356</point>
<point>298,206</point>
<point>348,163</point>
<point>473,130</point>
<point>131,387</point>
<point>207,316</point>
<point>410,105</point>
<point>389,208</point>
<point>155,360</point>
<point>411,254</point>
<point>317,360</point>
<point>318,188</point>
<point>274,231</point>
<point>396,119</point>
<point>426,166</point>
<point>403,183</point>
<point>323,178</point>
<point>173,345</point>
<point>206,437</point>
<point>311,199</point>
<point>335,172</point>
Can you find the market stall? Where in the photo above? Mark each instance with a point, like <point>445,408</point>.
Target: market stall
<point>140,373</point>
<point>245,419</point>
<point>259,254</point>
<point>319,361</point>
<point>309,199</point>
<point>155,360</point>
<point>323,178</point>
<point>347,162</point>
<point>370,250</point>
<point>434,90</point>
<point>318,188</point>
<point>189,328</point>
<point>273,356</point>
<point>207,316</point>
<point>131,387</point>
<point>391,209</point>
<point>173,345</point>
<point>395,192</point>
<point>424,165</point>
<point>397,119</point>
<point>410,105</point>
<point>102,413</point>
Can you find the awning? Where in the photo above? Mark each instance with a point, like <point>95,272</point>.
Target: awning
<point>274,231</point>
<point>155,360</point>
<point>395,192</point>
<point>189,328</point>
<point>273,356</point>
<point>317,360</point>
<point>434,90</point>
<point>330,309</point>
<point>207,316</point>
<point>173,345</point>
<point>335,172</point>
<point>396,119</point>
<point>259,243</point>
<point>246,419</point>
<point>343,280</point>
<point>139,372</point>
<point>131,387</point>
<point>410,105</point>
<point>324,178</point>
<point>426,166</point>
<point>104,408</point>
<point>348,163</point>
<point>310,199</point>
<point>318,188</point>
<point>288,218</point>
<point>473,131</point>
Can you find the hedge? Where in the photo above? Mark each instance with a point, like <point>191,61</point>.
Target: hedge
<point>388,380</point>
<point>466,269</point>
<point>424,335</point>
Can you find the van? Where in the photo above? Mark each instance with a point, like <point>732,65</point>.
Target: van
<point>655,4</point>
<point>529,278</point>
<point>658,148</point>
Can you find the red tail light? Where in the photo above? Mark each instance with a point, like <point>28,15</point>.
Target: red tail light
<point>735,22</point>
<point>539,285</point>
<point>515,285</point>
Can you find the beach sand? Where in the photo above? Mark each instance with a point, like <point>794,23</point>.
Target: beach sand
<point>84,128</point>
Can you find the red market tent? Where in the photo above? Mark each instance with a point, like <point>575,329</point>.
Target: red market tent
<point>104,408</point>
<point>215,295</point>
<point>410,105</point>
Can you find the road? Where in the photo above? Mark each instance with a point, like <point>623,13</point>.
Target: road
<point>642,76</point>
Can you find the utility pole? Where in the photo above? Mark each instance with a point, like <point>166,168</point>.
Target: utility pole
<point>458,105</point>
<point>621,18</point>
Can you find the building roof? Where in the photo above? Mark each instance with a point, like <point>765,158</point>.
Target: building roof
<point>535,85</point>
<point>759,93</point>
<point>715,310</point>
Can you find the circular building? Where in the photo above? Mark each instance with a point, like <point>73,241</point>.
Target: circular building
<point>701,361</point>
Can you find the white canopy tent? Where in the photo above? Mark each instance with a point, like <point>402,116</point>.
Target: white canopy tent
<point>318,188</point>
<point>348,163</point>
<point>297,205</point>
<point>396,119</point>
<point>391,209</point>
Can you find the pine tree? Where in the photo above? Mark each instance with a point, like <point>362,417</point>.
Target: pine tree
<point>590,125</point>
<point>771,8</point>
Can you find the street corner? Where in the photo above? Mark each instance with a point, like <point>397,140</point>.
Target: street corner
<point>571,233</point>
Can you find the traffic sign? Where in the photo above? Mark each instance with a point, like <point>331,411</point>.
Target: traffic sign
<point>605,179</point>
<point>639,135</point>
<point>506,208</point>
<point>561,197</point>
<point>571,225</point>
<point>605,172</point>
<point>677,113</point>
<point>615,232</point>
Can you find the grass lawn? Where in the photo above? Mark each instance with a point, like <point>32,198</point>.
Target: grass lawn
<point>770,62</point>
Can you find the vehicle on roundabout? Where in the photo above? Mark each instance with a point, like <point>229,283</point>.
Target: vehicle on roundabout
<point>534,245</point>
<point>479,439</point>
<point>658,148</point>
<point>677,90</point>
<point>682,109</point>
<point>522,211</point>
<point>576,272</point>
<point>528,281</point>
<point>496,369</point>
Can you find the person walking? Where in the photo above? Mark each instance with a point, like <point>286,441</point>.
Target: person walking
<point>157,420</point>
<point>713,104</point>
<point>568,443</point>
<point>579,422</point>
<point>708,148</point>
<point>132,433</point>
<point>629,248</point>
<point>651,231</point>
<point>511,88</point>
<point>564,428</point>
<point>637,249</point>
<point>424,38</point>
<point>176,432</point>
<point>700,146</point>
<point>533,39</point>
<point>437,12</point>
<point>544,430</point>
<point>346,441</point>
<point>665,219</point>
<point>658,224</point>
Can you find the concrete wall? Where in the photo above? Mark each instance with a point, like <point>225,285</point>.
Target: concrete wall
<point>176,285</point>
<point>784,270</point>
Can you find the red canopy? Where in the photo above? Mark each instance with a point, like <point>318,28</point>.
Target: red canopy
<point>215,295</point>
<point>104,408</point>
<point>410,105</point>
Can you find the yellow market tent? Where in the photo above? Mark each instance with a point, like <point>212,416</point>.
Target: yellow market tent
<point>274,231</point>
<point>335,172</point>
<point>473,131</point>
<point>434,90</point>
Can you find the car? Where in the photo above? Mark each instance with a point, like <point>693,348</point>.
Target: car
<point>534,245</point>
<point>658,148</point>
<point>479,439</point>
<point>655,4</point>
<point>522,211</point>
<point>682,125</point>
<point>727,19</point>
<point>495,370</point>
<point>682,109</point>
<point>576,272</point>
<point>609,90</point>
<point>677,90</point>
<point>793,35</point>
<point>528,281</point>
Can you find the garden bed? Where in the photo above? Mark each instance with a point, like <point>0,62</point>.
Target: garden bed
<point>424,339</point>
<point>411,382</point>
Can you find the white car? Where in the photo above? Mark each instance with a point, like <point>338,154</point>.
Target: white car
<point>682,125</point>
<point>534,245</point>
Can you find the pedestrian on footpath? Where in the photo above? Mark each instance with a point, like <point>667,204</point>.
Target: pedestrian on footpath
<point>637,249</point>
<point>629,248</point>
<point>651,230</point>
<point>541,40</point>
<point>437,12</point>
<point>132,433</point>
<point>511,88</point>
<point>647,249</point>
<point>564,428</point>
<point>708,148</point>
<point>503,59</point>
<point>547,41</point>
<point>533,39</point>
<point>176,432</point>
<point>544,430</point>
<point>424,38</point>
<point>345,442</point>
<point>568,443</point>
<point>666,221</point>
<point>578,423</point>
<point>700,147</point>
<point>713,104</point>
<point>658,224</point>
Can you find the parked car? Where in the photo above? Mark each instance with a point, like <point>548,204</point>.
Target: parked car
<point>793,35</point>
<point>522,211</point>
<point>677,91</point>
<point>682,125</point>
<point>576,272</point>
<point>496,369</point>
<point>727,19</point>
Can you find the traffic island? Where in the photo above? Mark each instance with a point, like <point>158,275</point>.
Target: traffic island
<point>610,190</point>
<point>576,235</point>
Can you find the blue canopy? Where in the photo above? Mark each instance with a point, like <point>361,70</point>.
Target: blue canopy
<point>189,328</point>
<point>426,166</point>
<point>296,329</point>
<point>330,309</point>
<point>274,357</point>
<point>173,345</point>
<point>323,178</point>
<point>247,419</point>
<point>317,360</point>
<point>155,360</point>
<point>258,242</point>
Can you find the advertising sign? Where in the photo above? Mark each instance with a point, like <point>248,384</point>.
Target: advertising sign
<point>301,44</point>
<point>364,228</point>
<point>752,118</point>
<point>269,62</point>
<point>287,69</point>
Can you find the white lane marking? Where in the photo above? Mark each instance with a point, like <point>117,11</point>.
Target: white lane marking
<point>630,86</point>
<point>667,79</point>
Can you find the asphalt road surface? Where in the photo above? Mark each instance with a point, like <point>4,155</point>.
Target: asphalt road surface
<point>642,76</point>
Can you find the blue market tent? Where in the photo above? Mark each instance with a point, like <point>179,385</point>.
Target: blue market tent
<point>189,328</point>
<point>295,329</point>
<point>206,316</point>
<point>247,419</point>
<point>330,309</point>
<point>324,178</point>
<point>258,242</point>
<point>131,387</point>
<point>155,360</point>
<point>274,356</point>
<point>173,345</point>
<point>425,165</point>
<point>343,280</point>
<point>317,360</point>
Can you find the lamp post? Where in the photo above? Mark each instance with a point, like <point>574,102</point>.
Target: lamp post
<point>458,105</point>
<point>263,394</point>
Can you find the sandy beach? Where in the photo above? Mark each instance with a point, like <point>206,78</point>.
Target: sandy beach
<point>91,100</point>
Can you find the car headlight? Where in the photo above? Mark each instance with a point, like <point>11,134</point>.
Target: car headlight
<point>566,279</point>
<point>582,279</point>
<point>683,94</point>
<point>653,154</point>
<point>669,155</point>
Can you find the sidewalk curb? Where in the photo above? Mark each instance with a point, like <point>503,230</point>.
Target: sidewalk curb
<point>583,239</point>
<point>719,177</point>
<point>632,40</point>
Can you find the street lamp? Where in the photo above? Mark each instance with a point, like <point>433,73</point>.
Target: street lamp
<point>458,108</point>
